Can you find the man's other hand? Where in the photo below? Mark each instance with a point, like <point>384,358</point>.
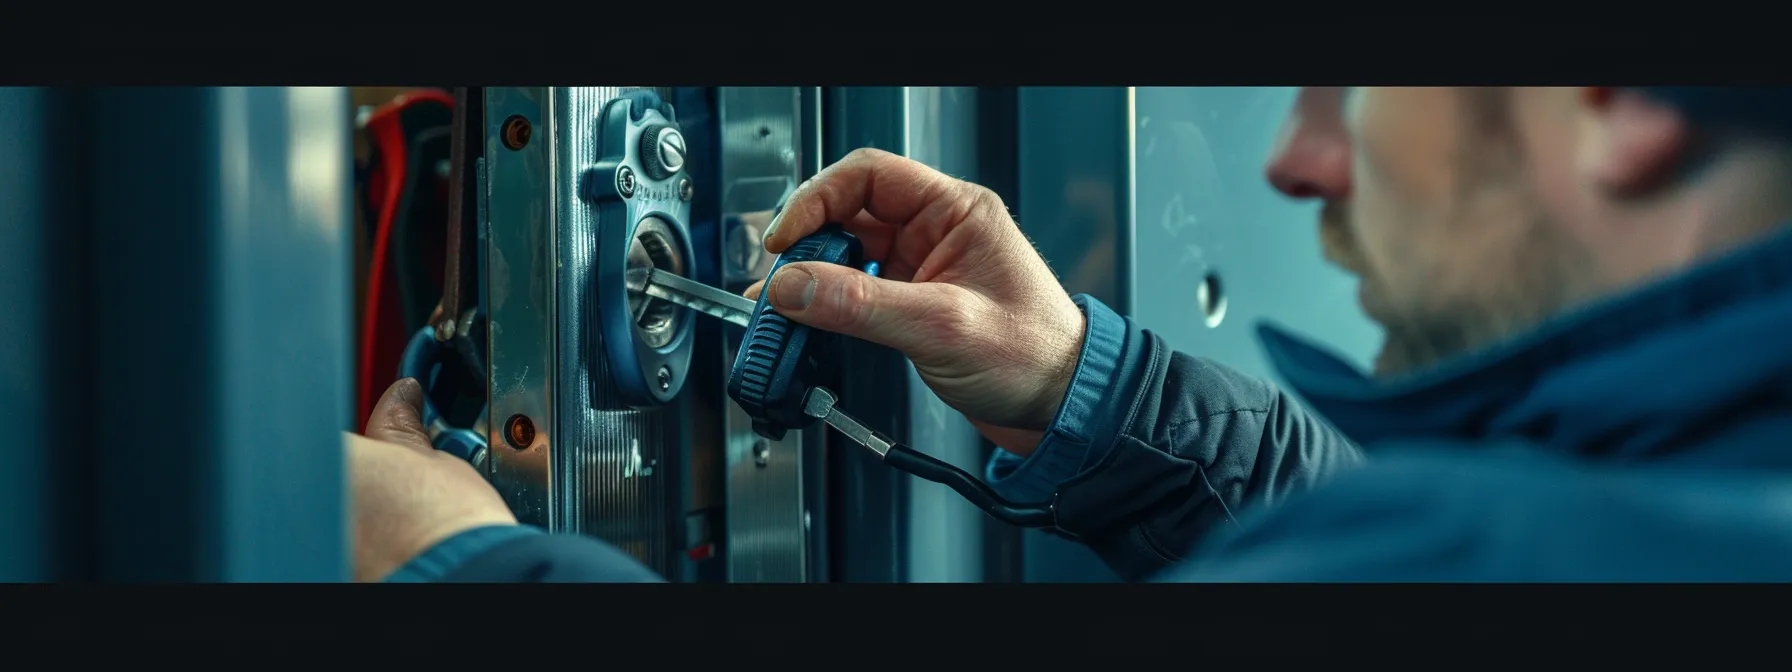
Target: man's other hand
<point>408,496</point>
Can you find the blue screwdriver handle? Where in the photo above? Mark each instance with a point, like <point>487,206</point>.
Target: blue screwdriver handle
<point>778,357</point>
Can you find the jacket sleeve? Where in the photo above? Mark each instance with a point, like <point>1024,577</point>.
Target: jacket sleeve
<point>522,554</point>
<point>1152,449</point>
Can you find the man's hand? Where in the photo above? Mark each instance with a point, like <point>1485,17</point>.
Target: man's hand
<point>963,293</point>
<point>407,495</point>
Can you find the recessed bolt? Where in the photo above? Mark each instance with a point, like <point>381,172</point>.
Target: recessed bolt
<point>685,189</point>
<point>625,181</point>
<point>519,431</point>
<point>665,378</point>
<point>516,132</point>
<point>762,454</point>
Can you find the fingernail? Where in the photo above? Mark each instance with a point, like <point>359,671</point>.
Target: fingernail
<point>771,228</point>
<point>793,292</point>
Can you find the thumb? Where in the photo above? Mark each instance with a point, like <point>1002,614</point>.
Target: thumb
<point>903,315</point>
<point>398,416</point>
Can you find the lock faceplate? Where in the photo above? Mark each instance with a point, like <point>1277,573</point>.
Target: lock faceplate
<point>636,179</point>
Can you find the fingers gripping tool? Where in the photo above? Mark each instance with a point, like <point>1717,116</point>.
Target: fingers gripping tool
<point>779,357</point>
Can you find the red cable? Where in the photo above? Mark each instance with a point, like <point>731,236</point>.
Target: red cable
<point>387,180</point>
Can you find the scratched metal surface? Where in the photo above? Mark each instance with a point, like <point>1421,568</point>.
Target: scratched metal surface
<point>592,466</point>
<point>520,253</point>
<point>767,524</point>
<point>613,486</point>
<point>1205,208</point>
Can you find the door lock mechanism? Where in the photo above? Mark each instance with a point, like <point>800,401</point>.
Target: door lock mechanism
<point>638,185</point>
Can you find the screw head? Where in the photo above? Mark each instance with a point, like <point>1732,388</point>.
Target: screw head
<point>671,149</point>
<point>625,181</point>
<point>685,189</point>
<point>762,454</point>
<point>665,377</point>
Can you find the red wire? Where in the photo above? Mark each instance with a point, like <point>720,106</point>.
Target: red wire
<point>388,135</point>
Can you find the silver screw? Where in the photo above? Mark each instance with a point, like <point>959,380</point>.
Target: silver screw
<point>625,181</point>
<point>685,189</point>
<point>665,378</point>
<point>762,454</point>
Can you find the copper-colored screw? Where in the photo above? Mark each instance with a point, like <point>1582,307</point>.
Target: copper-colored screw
<point>519,431</point>
<point>516,132</point>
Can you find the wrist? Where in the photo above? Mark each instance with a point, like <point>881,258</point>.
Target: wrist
<point>1065,345</point>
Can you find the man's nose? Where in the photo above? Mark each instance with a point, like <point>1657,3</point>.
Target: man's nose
<point>1311,156</point>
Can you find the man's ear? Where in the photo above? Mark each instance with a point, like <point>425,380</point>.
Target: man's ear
<point>1633,145</point>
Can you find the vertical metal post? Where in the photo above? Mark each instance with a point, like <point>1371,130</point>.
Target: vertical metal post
<point>44,511</point>
<point>769,524</point>
<point>1076,203</point>
<point>593,464</point>
<point>945,532</point>
<point>197,255</point>
<point>520,248</point>
<point>869,501</point>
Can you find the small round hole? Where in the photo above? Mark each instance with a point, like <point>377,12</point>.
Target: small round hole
<point>519,432</point>
<point>1211,295</point>
<point>516,132</point>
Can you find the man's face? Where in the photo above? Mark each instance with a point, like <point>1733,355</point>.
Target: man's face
<point>1441,200</point>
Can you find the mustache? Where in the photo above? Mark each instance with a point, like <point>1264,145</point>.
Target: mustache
<point>1336,241</point>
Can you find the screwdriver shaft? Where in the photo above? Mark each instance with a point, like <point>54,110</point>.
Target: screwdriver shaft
<point>820,404</point>
<point>726,306</point>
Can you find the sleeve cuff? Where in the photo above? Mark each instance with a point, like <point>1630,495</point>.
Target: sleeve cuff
<point>1069,445</point>
<point>445,557</point>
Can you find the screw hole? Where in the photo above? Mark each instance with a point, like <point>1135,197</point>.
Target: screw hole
<point>516,132</point>
<point>1211,295</point>
<point>519,431</point>
<point>765,132</point>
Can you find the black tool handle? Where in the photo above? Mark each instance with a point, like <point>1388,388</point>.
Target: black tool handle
<point>926,467</point>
